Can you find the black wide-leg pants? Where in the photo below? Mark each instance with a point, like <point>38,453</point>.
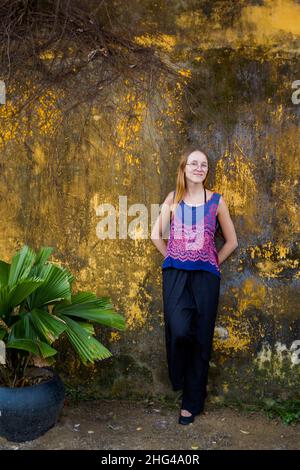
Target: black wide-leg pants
<point>190,300</point>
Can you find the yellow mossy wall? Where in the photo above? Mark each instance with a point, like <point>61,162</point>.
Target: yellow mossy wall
<point>235,63</point>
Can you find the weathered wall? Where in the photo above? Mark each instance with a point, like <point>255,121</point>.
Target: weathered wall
<point>236,62</point>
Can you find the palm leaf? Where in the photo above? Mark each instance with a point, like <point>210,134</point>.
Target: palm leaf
<point>41,259</point>
<point>90,311</point>
<point>54,288</point>
<point>22,329</point>
<point>10,298</point>
<point>87,306</point>
<point>33,283</point>
<point>46,350</point>
<point>78,298</point>
<point>43,255</point>
<point>85,296</point>
<point>35,346</point>
<point>4,272</point>
<point>86,326</point>
<point>23,335</point>
<point>22,289</point>
<point>4,307</point>
<point>21,265</point>
<point>46,324</point>
<point>87,347</point>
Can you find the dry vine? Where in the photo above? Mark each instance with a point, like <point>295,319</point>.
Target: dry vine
<point>74,36</point>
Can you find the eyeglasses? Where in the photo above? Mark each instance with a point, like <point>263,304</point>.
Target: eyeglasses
<point>194,165</point>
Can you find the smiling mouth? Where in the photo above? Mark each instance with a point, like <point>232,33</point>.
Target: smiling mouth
<point>198,174</point>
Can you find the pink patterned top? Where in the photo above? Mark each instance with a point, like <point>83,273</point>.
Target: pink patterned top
<point>191,244</point>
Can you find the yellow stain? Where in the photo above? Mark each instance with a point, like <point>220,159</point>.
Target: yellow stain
<point>50,55</point>
<point>191,20</point>
<point>136,307</point>
<point>185,73</point>
<point>44,114</point>
<point>114,336</point>
<point>274,17</point>
<point>166,42</point>
<point>252,293</point>
<point>128,129</point>
<point>274,23</point>
<point>235,178</point>
<point>272,259</point>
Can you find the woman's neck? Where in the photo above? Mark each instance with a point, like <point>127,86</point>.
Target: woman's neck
<point>195,191</point>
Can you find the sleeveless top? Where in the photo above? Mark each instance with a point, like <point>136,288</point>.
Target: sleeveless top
<point>191,244</point>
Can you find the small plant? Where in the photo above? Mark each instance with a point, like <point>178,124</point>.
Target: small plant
<point>37,306</point>
<point>287,410</point>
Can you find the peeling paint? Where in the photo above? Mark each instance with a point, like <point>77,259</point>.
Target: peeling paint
<point>272,259</point>
<point>275,356</point>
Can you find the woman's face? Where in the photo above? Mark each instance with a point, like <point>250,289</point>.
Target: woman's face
<point>196,167</point>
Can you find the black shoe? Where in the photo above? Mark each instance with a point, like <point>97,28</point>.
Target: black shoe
<point>186,419</point>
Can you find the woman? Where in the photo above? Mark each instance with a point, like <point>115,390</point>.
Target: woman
<point>191,276</point>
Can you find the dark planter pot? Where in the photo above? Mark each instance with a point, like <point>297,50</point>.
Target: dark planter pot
<point>28,412</point>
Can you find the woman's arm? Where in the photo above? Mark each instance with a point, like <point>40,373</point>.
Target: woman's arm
<point>161,223</point>
<point>228,230</point>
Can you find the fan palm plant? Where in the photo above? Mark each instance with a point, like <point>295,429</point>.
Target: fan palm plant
<point>37,306</point>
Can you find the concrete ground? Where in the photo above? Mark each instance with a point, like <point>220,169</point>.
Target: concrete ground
<point>149,425</point>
